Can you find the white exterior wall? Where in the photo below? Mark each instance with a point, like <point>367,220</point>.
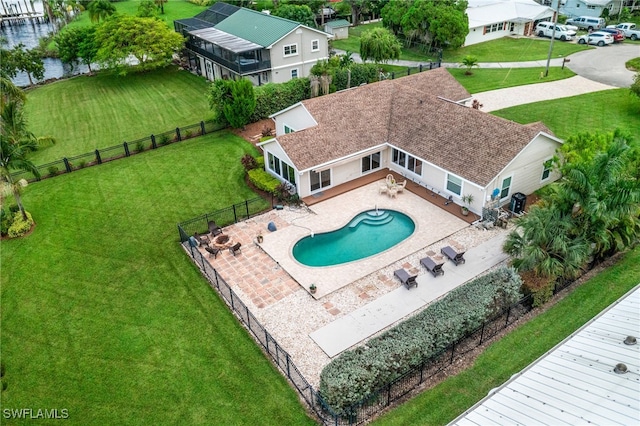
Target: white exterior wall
<point>340,33</point>
<point>297,118</point>
<point>526,169</point>
<point>305,59</point>
<point>575,8</point>
<point>475,35</point>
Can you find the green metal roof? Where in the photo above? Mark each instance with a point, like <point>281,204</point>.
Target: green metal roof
<point>339,23</point>
<point>257,27</point>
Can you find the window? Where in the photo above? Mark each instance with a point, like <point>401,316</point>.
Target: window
<point>406,161</point>
<point>371,162</point>
<point>506,187</point>
<point>290,49</point>
<point>294,73</point>
<point>546,169</point>
<point>282,169</point>
<point>591,7</point>
<point>454,184</point>
<point>495,27</point>
<point>288,129</point>
<point>320,180</point>
<point>315,45</point>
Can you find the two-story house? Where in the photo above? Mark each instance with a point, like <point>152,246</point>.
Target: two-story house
<point>227,41</point>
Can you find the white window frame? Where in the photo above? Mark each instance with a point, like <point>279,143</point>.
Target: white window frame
<point>461,184</point>
<point>547,166</point>
<point>295,70</point>
<point>317,44</point>
<point>509,187</point>
<point>293,50</point>
<point>320,187</point>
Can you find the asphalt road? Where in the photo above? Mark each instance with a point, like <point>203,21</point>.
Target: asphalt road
<point>605,64</point>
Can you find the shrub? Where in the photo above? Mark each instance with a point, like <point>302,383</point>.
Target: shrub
<point>82,164</point>
<point>272,97</point>
<point>248,162</point>
<point>540,288</point>
<point>188,134</point>
<point>267,131</point>
<point>360,74</point>
<point>19,226</point>
<point>140,146</point>
<point>260,162</point>
<point>53,170</point>
<point>263,180</point>
<point>358,373</point>
<point>6,218</point>
<point>13,208</point>
<point>164,139</point>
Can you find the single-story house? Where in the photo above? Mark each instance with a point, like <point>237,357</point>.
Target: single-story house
<point>493,19</point>
<point>338,28</point>
<point>573,8</point>
<point>226,41</point>
<point>417,126</point>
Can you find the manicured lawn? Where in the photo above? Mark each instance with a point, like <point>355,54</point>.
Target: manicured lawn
<point>490,78</point>
<point>501,50</point>
<point>511,354</point>
<point>600,111</point>
<point>173,9</point>
<point>104,315</point>
<point>85,113</point>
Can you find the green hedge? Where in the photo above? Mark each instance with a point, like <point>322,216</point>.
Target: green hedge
<point>358,373</point>
<point>264,181</point>
<point>360,74</point>
<point>272,97</point>
<point>19,226</point>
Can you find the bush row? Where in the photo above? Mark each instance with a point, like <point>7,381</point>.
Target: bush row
<point>358,373</point>
<point>272,97</point>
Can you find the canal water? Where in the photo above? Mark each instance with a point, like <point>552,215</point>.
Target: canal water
<point>28,33</point>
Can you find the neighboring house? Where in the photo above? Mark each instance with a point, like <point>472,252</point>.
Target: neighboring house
<point>572,8</point>
<point>338,28</point>
<point>417,126</point>
<point>493,19</point>
<point>230,42</point>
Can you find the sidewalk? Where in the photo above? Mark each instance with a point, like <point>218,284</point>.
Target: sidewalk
<point>364,322</point>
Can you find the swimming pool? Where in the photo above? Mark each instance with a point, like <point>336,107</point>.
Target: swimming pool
<point>366,234</point>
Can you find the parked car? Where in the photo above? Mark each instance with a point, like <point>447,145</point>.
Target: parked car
<point>587,22</point>
<point>599,38</point>
<point>629,29</point>
<point>618,35</point>
<point>546,29</point>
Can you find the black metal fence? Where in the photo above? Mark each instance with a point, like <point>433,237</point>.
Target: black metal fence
<point>125,149</point>
<point>377,401</point>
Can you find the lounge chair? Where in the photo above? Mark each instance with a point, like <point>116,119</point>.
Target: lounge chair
<point>406,279</point>
<point>235,248</point>
<point>212,251</point>
<point>214,229</point>
<point>203,239</point>
<point>454,256</point>
<point>432,266</point>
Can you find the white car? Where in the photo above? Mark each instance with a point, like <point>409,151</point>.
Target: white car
<point>547,29</point>
<point>599,38</point>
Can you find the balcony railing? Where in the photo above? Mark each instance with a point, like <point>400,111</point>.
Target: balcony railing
<point>240,65</point>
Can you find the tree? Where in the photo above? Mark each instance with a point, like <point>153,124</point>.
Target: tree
<point>469,62</point>
<point>302,14</point>
<point>87,47</point>
<point>160,4</point>
<point>635,86</point>
<point>16,141</point>
<point>67,41</point>
<point>233,101</point>
<point>147,9</point>
<point>380,45</point>
<point>29,61</point>
<point>99,10</point>
<point>149,40</point>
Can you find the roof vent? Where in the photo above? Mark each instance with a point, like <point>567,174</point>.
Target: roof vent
<point>630,340</point>
<point>620,368</point>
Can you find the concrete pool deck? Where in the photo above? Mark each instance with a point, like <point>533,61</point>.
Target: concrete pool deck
<point>432,224</point>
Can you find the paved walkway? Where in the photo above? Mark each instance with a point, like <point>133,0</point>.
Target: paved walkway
<point>364,322</point>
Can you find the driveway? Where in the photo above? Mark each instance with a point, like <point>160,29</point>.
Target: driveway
<point>605,64</point>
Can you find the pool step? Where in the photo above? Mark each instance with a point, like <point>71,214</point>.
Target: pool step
<point>371,219</point>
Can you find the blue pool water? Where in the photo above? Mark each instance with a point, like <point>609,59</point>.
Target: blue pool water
<point>367,234</point>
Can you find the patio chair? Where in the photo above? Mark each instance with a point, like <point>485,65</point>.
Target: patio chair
<point>401,186</point>
<point>203,239</point>
<point>406,279</point>
<point>235,248</point>
<point>382,189</point>
<point>432,266</point>
<point>214,229</point>
<point>453,255</point>
<point>212,251</point>
<point>393,191</point>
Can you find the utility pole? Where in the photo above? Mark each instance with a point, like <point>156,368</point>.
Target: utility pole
<point>553,37</point>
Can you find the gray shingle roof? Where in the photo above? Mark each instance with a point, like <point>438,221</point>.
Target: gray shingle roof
<point>413,114</point>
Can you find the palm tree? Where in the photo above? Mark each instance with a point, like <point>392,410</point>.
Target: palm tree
<point>543,242</point>
<point>16,141</point>
<point>100,10</point>
<point>469,62</point>
<point>8,91</point>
